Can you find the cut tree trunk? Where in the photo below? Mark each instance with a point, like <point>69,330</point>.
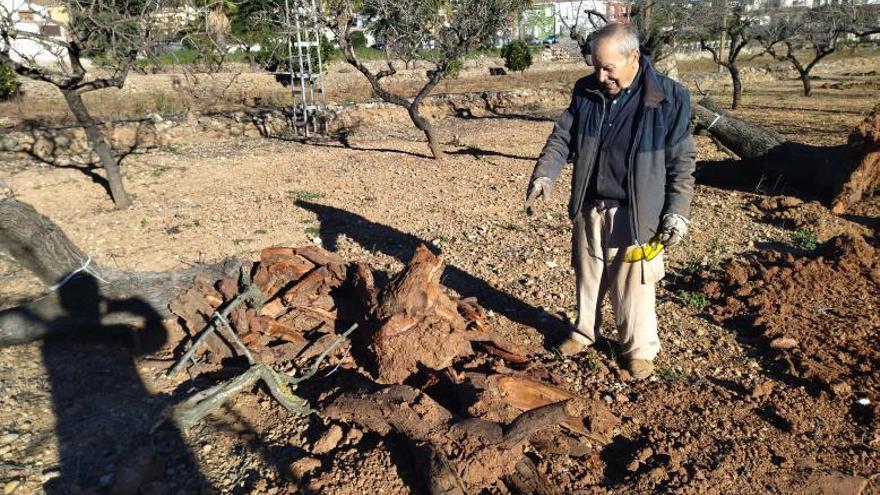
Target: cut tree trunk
<point>418,324</point>
<point>38,244</point>
<point>100,146</point>
<point>842,174</point>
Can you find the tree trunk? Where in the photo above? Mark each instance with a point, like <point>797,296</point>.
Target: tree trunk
<point>808,86</point>
<point>842,174</point>
<point>747,140</point>
<point>39,245</point>
<point>737,85</point>
<point>425,126</point>
<point>100,146</point>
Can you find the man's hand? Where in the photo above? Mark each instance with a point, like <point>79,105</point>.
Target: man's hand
<point>540,186</point>
<point>673,228</point>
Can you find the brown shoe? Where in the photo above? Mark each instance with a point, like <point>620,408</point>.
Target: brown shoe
<point>570,347</point>
<point>640,369</point>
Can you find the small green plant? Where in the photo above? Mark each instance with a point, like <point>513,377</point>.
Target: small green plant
<point>313,230</point>
<point>260,231</point>
<point>805,239</point>
<point>143,222</point>
<point>591,361</point>
<point>9,85</point>
<point>302,195</point>
<point>671,374</point>
<point>517,56</point>
<point>694,299</point>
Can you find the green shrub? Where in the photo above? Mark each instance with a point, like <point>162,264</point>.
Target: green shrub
<point>517,56</point>
<point>9,85</point>
<point>805,239</point>
<point>357,39</point>
<point>696,300</point>
<point>453,69</point>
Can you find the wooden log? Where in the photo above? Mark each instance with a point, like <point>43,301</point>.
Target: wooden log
<point>746,140</point>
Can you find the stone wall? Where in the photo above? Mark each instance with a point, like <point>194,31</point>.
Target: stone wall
<point>67,145</point>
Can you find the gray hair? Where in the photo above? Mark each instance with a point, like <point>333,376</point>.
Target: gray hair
<point>625,34</point>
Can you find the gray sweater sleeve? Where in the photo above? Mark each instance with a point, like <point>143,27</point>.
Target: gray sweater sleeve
<point>558,147</point>
<point>681,157</point>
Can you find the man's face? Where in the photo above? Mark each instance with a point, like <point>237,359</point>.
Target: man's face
<point>616,70</point>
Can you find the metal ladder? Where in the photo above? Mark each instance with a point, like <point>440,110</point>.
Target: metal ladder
<point>305,67</point>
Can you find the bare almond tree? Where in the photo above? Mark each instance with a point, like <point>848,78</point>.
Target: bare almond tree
<point>740,28</point>
<point>804,37</point>
<point>439,32</point>
<point>63,48</point>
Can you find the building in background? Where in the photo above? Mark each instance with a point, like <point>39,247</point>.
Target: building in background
<point>39,22</point>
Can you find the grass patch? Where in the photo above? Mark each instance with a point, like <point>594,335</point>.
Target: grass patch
<point>671,374</point>
<point>313,230</point>
<point>591,361</point>
<point>260,231</point>
<point>805,239</point>
<point>694,299</point>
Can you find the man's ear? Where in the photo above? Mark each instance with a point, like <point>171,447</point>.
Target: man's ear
<point>634,57</point>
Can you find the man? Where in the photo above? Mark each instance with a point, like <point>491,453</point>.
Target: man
<point>627,131</point>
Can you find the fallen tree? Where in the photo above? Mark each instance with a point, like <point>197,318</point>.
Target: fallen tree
<point>102,295</point>
<point>842,174</point>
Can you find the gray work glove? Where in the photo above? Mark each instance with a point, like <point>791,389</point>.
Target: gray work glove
<point>673,228</point>
<point>540,186</point>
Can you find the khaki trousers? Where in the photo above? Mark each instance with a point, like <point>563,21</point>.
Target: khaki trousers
<point>601,237</point>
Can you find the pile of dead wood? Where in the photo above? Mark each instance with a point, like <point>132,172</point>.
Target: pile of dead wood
<point>301,297</point>
<point>295,303</point>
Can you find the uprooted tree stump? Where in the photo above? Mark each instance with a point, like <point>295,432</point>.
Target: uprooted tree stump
<point>418,323</point>
<point>841,174</point>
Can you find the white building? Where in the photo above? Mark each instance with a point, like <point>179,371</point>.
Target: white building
<point>34,26</point>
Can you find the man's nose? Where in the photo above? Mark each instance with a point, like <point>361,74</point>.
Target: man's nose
<point>603,76</point>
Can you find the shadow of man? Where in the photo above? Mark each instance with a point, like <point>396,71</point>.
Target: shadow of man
<point>375,236</point>
<point>103,410</point>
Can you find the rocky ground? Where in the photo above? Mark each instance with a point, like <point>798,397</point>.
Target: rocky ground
<point>728,411</point>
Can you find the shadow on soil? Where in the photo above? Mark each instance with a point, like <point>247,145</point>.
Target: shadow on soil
<point>400,245</point>
<point>51,146</point>
<point>103,410</point>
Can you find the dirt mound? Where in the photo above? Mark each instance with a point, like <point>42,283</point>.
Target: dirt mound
<point>817,312</point>
<point>865,177</point>
<point>793,213</point>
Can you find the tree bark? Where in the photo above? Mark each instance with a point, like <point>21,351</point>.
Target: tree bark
<point>737,85</point>
<point>808,86</point>
<point>482,451</point>
<point>38,244</point>
<point>100,146</point>
<point>426,127</point>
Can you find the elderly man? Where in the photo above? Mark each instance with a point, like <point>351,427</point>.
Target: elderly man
<point>627,131</point>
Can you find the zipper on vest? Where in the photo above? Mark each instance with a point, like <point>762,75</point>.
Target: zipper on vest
<point>595,150</point>
<point>634,209</point>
